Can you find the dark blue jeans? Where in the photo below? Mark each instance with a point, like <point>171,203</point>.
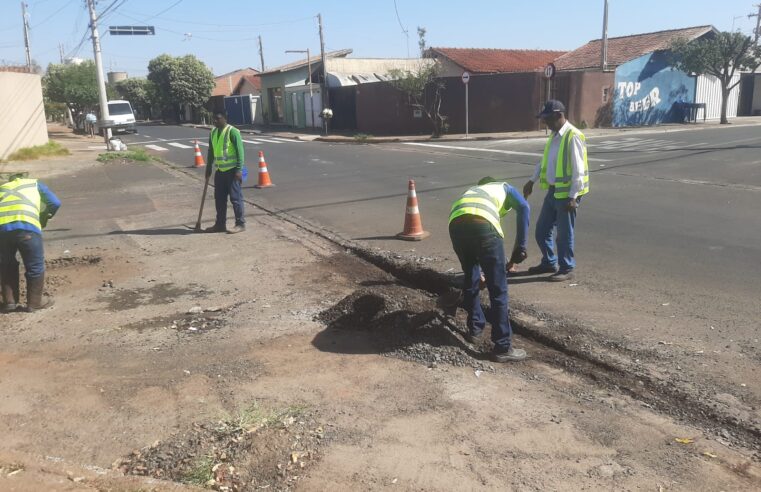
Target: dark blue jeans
<point>554,217</point>
<point>226,185</point>
<point>480,248</point>
<point>29,245</point>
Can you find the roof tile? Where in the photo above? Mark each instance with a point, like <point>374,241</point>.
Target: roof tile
<point>626,48</point>
<point>481,60</point>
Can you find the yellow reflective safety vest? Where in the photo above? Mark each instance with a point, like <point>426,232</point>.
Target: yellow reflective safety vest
<point>20,201</point>
<point>486,201</point>
<point>225,153</point>
<point>563,167</point>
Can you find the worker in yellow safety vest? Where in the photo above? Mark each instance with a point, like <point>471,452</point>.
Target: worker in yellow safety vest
<point>25,207</point>
<point>226,155</point>
<point>478,241</point>
<point>564,173</point>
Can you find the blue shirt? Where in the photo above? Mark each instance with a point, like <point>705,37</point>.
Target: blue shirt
<point>52,204</point>
<point>516,201</point>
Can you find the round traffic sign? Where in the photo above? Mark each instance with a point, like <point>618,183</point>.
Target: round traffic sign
<point>549,71</point>
<point>465,77</point>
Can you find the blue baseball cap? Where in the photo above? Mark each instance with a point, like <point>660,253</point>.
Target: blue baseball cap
<point>550,107</point>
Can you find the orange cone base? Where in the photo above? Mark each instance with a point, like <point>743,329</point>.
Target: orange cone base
<point>413,237</point>
<point>271,185</point>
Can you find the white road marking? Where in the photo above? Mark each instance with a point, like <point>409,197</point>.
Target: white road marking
<point>179,145</point>
<point>286,140</point>
<point>268,140</point>
<point>204,144</point>
<point>156,147</point>
<point>478,149</point>
<point>255,142</point>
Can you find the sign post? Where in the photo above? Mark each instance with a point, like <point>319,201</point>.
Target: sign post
<point>465,80</point>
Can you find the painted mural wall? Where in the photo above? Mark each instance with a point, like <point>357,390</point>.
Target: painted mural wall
<point>647,90</point>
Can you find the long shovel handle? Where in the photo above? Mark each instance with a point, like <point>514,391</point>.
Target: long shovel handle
<point>203,200</point>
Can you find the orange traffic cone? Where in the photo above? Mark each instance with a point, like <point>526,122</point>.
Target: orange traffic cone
<point>264,175</point>
<point>199,157</point>
<point>413,226</point>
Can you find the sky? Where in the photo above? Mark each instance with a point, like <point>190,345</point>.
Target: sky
<point>223,33</point>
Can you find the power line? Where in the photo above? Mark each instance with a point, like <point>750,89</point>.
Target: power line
<point>163,11</point>
<point>404,29</point>
<point>52,15</point>
<point>194,23</point>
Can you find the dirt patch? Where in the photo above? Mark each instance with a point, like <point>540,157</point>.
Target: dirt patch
<point>194,321</point>
<point>164,293</point>
<point>256,449</point>
<point>405,323</point>
<point>69,261</point>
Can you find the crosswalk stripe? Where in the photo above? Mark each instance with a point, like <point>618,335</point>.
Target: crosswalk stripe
<point>179,145</point>
<point>287,140</point>
<point>499,151</point>
<point>155,147</point>
<point>255,142</point>
<point>204,144</point>
<point>269,140</point>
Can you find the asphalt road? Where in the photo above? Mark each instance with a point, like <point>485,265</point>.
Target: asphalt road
<point>669,235</point>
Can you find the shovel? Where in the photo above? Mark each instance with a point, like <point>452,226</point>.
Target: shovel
<point>203,200</point>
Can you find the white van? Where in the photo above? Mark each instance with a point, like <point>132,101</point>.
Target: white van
<point>120,112</point>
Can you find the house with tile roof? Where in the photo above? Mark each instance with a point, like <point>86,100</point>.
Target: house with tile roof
<point>639,85</point>
<point>482,61</point>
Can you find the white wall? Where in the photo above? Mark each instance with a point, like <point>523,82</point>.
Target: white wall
<point>708,91</point>
<point>23,113</point>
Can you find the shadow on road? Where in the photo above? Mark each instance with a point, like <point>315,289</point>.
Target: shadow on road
<point>155,232</point>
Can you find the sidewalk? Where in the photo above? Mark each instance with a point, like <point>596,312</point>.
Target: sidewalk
<point>278,354</point>
<point>589,132</point>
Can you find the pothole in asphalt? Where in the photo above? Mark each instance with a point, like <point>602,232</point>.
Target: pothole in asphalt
<point>258,448</point>
<point>402,323</point>
<point>164,293</point>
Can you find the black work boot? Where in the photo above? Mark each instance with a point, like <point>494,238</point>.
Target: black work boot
<point>9,287</point>
<point>34,297</point>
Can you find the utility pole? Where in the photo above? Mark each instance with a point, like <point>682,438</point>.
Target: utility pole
<point>604,49</point>
<point>25,18</point>
<point>309,80</point>
<point>324,90</point>
<point>757,31</point>
<point>261,52</point>
<point>103,97</point>
<point>60,51</point>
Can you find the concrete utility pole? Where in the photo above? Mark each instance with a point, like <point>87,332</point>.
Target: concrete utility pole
<point>25,18</point>
<point>324,90</point>
<point>261,52</point>
<point>103,97</point>
<point>604,50</point>
<point>60,51</point>
<point>757,31</point>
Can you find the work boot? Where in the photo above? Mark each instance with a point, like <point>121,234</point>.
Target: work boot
<point>34,297</point>
<point>474,338</point>
<point>509,355</point>
<point>562,276</point>
<point>10,289</point>
<point>539,269</point>
<point>214,229</point>
<point>238,228</point>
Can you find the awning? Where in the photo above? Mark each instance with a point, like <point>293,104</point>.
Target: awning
<point>343,79</point>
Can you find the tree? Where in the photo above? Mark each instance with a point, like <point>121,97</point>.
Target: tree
<point>421,40</point>
<point>73,85</point>
<point>180,81</point>
<point>722,56</point>
<point>424,91</point>
<point>141,93</point>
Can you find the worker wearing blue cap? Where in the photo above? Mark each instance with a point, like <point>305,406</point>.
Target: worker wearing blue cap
<point>564,173</point>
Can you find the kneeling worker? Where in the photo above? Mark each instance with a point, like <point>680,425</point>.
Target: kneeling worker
<point>477,238</point>
<point>22,218</point>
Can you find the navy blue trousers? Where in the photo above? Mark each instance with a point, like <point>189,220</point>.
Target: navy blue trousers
<point>225,185</point>
<point>29,245</point>
<point>479,247</point>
